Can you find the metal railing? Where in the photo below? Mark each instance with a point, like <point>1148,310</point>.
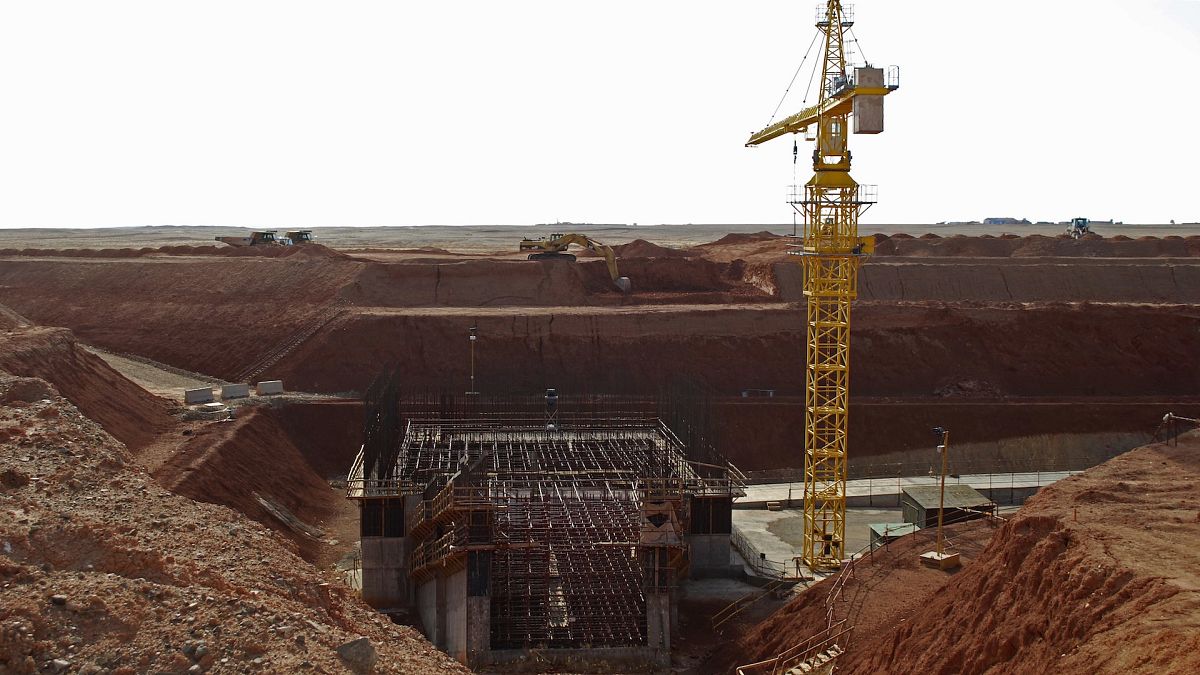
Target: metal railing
<point>820,643</point>
<point>787,659</point>
<point>756,559</point>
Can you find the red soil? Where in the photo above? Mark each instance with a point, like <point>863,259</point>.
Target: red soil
<point>125,410</point>
<point>930,245</point>
<point>640,248</point>
<point>1039,350</point>
<point>214,315</point>
<point>1096,574</point>
<point>233,464</point>
<point>887,587</point>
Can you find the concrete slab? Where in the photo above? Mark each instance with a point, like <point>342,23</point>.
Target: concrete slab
<point>780,534</point>
<point>1000,487</point>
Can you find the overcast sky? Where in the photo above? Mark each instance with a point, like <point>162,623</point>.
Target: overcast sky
<point>404,113</point>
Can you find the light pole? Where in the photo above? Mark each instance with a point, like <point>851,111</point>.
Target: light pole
<point>474,336</point>
<point>944,437</point>
<point>940,558</point>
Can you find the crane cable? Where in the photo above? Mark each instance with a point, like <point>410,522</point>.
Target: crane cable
<point>858,47</point>
<point>794,76</point>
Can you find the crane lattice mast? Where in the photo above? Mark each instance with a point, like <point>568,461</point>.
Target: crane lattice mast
<point>831,251</point>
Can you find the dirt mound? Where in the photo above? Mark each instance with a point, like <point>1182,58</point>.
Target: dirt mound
<point>249,465</point>
<point>640,248</point>
<point>104,571</point>
<point>1036,245</point>
<point>741,238</point>
<point>1072,584</point>
<point>124,409</point>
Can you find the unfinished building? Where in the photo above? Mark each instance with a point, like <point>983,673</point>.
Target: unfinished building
<point>536,524</point>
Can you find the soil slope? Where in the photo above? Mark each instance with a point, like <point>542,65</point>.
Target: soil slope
<point>102,570</point>
<point>1098,573</point>
<point>251,466</point>
<point>126,411</point>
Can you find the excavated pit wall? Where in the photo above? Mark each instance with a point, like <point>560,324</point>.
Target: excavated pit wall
<point>915,351</point>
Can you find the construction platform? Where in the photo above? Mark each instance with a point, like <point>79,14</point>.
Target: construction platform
<point>536,524</point>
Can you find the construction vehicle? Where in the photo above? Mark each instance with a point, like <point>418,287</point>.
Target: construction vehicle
<point>297,237</point>
<point>831,252</point>
<point>555,248</point>
<point>263,238</point>
<point>1079,227</point>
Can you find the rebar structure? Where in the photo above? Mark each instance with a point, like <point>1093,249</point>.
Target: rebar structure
<point>577,516</point>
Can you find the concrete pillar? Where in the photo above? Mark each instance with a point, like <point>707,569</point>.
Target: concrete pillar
<point>479,607</point>
<point>658,622</point>
<point>456,615</point>
<point>427,608</point>
<point>439,609</point>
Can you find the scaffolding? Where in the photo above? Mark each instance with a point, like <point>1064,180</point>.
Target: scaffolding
<point>573,509</point>
<point>577,507</point>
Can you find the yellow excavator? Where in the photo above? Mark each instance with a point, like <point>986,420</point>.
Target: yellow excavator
<point>555,248</point>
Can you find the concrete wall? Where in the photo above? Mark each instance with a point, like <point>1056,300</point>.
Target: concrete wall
<point>455,604</point>
<point>229,391</point>
<point>385,572</point>
<point>709,555</point>
<point>427,609</point>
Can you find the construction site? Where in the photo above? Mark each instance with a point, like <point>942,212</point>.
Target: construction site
<point>846,447</point>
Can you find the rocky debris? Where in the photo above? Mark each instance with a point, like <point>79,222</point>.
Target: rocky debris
<point>359,654</point>
<point>23,389</point>
<point>104,571</point>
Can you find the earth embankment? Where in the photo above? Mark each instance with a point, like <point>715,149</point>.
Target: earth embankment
<point>125,410</point>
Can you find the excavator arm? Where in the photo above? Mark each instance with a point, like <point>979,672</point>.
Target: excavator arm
<point>559,243</point>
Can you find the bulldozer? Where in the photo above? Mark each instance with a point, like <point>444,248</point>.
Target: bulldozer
<point>263,238</point>
<point>1079,227</point>
<point>555,248</point>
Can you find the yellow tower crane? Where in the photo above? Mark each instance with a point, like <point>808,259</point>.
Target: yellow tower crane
<point>831,251</point>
